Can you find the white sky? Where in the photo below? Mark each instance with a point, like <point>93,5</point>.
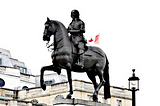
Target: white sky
<point>129,32</point>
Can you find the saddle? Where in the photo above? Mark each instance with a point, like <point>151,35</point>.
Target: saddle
<point>89,50</point>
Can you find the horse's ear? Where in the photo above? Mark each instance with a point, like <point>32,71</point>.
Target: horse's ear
<point>48,19</point>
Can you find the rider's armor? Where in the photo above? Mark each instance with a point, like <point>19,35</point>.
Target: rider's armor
<point>76,29</point>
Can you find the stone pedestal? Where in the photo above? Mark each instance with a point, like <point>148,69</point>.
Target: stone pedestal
<point>76,102</point>
<point>12,103</point>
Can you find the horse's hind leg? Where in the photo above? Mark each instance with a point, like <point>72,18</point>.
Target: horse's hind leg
<point>92,78</point>
<point>102,82</point>
<point>95,94</point>
<point>49,68</point>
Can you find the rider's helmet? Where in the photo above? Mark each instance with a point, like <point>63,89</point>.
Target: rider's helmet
<point>75,14</point>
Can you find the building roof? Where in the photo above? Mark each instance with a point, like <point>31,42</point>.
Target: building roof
<point>7,60</point>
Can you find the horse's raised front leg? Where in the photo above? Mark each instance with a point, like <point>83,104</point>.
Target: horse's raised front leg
<point>69,80</point>
<point>49,68</point>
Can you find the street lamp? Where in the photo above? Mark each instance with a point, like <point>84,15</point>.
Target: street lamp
<point>133,86</point>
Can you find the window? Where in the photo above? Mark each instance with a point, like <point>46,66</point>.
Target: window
<point>15,66</point>
<point>24,87</point>
<point>49,82</point>
<point>119,103</point>
<point>2,82</point>
<point>22,70</point>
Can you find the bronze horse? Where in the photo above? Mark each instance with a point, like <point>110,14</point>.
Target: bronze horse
<point>63,56</point>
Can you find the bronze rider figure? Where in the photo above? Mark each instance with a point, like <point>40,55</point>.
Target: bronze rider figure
<point>76,28</point>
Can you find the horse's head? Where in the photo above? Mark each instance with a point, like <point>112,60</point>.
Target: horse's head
<point>49,30</point>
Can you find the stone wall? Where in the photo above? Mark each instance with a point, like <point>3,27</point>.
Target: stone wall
<point>76,102</point>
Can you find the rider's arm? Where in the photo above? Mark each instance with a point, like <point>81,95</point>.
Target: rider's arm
<point>81,30</point>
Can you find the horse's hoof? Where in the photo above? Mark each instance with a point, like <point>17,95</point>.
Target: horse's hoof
<point>69,96</point>
<point>95,98</point>
<point>43,87</point>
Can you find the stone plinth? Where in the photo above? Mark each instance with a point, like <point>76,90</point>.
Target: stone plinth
<point>76,102</point>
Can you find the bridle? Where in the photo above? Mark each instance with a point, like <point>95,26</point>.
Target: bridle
<point>50,47</point>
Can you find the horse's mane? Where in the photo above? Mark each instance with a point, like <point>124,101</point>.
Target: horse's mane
<point>58,23</point>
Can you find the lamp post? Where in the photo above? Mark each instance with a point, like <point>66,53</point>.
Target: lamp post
<point>133,86</point>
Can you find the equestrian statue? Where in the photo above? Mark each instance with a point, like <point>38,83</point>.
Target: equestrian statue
<point>72,54</point>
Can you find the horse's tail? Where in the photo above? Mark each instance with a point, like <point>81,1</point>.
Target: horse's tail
<point>106,78</point>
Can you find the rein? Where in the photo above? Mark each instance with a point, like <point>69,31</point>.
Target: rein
<point>49,46</point>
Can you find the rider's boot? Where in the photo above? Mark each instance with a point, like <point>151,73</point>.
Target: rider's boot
<point>80,62</point>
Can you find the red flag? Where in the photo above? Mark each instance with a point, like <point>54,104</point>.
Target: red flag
<point>90,40</point>
<point>96,39</point>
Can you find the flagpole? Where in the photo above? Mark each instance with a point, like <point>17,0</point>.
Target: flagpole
<point>99,39</point>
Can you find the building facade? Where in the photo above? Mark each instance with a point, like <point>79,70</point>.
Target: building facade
<point>13,73</point>
<point>11,78</point>
<point>82,90</point>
